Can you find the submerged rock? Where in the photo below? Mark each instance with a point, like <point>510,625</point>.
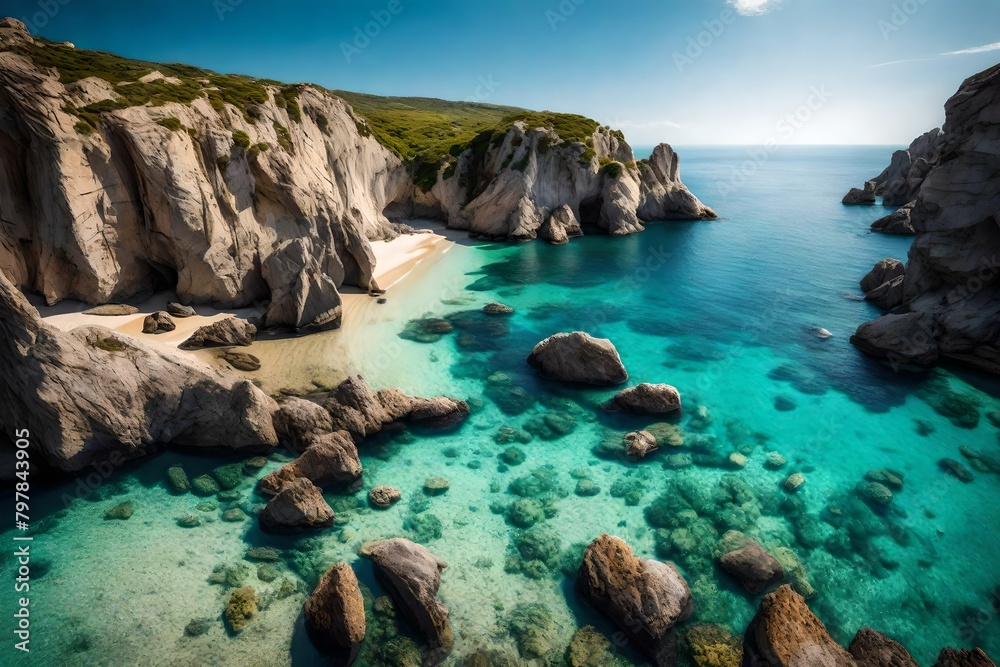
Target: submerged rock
<point>794,482</point>
<point>589,648</point>
<point>956,469</point>
<point>712,645</point>
<point>335,614</point>
<point>177,479</point>
<point>384,497</point>
<point>785,633</point>
<point>646,399</point>
<point>412,576</point>
<point>873,649</point>
<point>639,444</point>
<point>298,505</point>
<point>231,331</point>
<point>578,357</point>
<point>494,308</point>
<point>753,567</point>
<point>120,511</point>
<point>645,598</point>
<point>241,608</point>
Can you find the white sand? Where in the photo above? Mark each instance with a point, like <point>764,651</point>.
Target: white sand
<point>287,362</point>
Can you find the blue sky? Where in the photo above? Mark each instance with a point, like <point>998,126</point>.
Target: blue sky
<point>684,71</point>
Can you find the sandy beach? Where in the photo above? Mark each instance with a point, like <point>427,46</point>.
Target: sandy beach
<point>289,363</point>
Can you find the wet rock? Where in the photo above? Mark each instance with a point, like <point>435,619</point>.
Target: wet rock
<point>901,338</point>
<point>794,482</point>
<point>298,505</point>
<point>241,608</point>
<point>898,222</point>
<point>888,295</point>
<point>785,633</point>
<point>254,464</point>
<point>647,399</point>
<point>228,476</point>
<point>112,310</point>
<point>886,477</point>
<point>177,479</point>
<point>436,486</point>
<point>331,459</point>
<point>203,485</point>
<point>639,444</point>
<point>774,461</point>
<point>578,357</point>
<point>412,576</point>
<point>951,657</point>
<point>885,271</point>
<point>956,469</point>
<point>873,649</point>
<point>231,331</point>
<point>298,421</point>
<point>384,497</point>
<point>180,310</point>
<point>874,493</point>
<point>335,614</point>
<point>242,361</point>
<point>120,511</point>
<point>645,598</point>
<point>858,196</point>
<point>158,322</point>
<point>753,567</point>
<point>494,308</point>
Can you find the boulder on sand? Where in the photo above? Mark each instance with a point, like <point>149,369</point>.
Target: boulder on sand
<point>412,576</point>
<point>645,598</point>
<point>303,296</point>
<point>578,357</point>
<point>335,614</point>
<point>158,322</point>
<point>231,331</point>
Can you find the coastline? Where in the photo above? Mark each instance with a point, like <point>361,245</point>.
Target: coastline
<point>288,362</point>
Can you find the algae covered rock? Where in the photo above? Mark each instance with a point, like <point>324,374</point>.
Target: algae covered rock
<point>177,479</point>
<point>242,607</point>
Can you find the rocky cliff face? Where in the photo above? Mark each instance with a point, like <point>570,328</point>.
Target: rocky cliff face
<point>951,287</point>
<point>511,187</point>
<point>117,180</point>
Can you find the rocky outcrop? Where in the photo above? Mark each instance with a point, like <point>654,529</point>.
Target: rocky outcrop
<point>298,505</point>
<point>231,331</point>
<point>898,222</point>
<point>298,422</point>
<point>951,290</point>
<point>645,598</point>
<point>578,357</point>
<point>951,657</point>
<point>902,179</point>
<point>412,576</point>
<point>646,399</point>
<point>335,614</point>
<point>884,271</point>
<point>858,196</point>
<point>510,187</point>
<point>331,459</point>
<point>785,633</point>
<point>93,395</point>
<point>560,226</point>
<point>303,296</point>
<point>356,409</point>
<point>870,648</point>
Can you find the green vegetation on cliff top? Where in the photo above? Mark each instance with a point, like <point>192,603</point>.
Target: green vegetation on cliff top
<point>421,131</point>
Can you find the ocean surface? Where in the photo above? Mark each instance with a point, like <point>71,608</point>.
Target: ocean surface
<point>726,311</point>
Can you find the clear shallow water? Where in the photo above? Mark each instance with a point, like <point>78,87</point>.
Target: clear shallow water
<point>722,310</point>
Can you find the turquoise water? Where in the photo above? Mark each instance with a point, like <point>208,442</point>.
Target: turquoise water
<point>724,311</point>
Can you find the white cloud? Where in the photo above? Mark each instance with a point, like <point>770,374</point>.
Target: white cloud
<point>975,49</point>
<point>753,7</point>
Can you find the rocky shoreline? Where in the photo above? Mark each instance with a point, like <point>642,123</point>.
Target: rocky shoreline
<point>944,305</point>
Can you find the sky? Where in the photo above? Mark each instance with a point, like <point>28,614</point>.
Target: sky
<point>690,72</point>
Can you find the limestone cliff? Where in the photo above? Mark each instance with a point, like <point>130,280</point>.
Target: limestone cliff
<point>119,178</point>
<point>510,186</point>
<point>951,287</point>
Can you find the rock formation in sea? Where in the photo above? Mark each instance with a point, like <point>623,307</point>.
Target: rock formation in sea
<point>949,309</point>
<point>578,357</point>
<point>236,191</point>
<point>335,614</point>
<point>93,395</point>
